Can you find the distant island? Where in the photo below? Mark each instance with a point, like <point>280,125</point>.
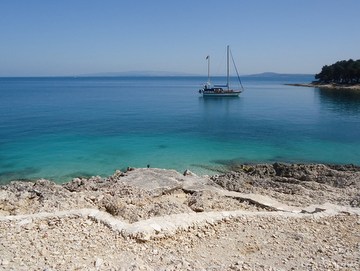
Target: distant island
<point>275,74</point>
<point>136,74</point>
<point>343,74</point>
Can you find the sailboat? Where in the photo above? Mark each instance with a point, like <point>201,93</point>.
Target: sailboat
<point>210,90</point>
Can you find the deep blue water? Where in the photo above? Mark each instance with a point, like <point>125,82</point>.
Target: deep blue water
<point>59,128</point>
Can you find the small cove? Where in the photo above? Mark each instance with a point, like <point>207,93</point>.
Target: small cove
<point>59,128</point>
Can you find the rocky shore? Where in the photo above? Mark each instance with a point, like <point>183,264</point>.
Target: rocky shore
<point>256,217</point>
<point>329,86</point>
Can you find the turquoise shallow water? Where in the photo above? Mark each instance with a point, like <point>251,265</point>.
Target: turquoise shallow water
<point>60,128</point>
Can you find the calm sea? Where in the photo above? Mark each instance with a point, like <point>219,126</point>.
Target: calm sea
<point>60,128</point>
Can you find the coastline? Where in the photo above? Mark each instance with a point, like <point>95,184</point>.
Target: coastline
<point>328,86</point>
<point>151,219</point>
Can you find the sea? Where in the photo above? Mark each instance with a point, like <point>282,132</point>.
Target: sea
<point>60,128</point>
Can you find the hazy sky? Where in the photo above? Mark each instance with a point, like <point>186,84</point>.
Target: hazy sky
<point>71,37</point>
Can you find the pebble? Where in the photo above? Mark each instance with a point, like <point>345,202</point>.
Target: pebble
<point>98,263</point>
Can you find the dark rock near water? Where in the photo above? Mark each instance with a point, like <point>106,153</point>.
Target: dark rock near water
<point>355,202</point>
<point>309,181</point>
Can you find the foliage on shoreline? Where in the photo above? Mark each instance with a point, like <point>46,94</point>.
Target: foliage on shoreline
<point>341,72</point>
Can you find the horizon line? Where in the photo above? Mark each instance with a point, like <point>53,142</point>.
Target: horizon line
<point>149,74</point>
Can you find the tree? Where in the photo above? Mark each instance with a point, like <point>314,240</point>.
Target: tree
<point>341,72</point>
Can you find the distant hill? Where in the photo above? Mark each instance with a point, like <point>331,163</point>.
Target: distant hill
<point>274,74</point>
<point>136,73</point>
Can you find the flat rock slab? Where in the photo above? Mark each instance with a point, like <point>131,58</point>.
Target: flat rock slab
<point>160,181</point>
<point>154,179</point>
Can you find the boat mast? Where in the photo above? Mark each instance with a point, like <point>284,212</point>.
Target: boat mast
<point>227,67</point>
<point>208,59</point>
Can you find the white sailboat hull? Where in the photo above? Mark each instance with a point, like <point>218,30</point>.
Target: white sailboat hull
<point>225,93</point>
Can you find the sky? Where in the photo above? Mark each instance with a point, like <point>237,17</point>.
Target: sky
<point>75,37</point>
